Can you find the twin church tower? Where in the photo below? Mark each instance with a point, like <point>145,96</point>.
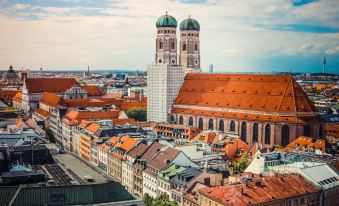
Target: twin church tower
<point>166,75</point>
<point>167,44</point>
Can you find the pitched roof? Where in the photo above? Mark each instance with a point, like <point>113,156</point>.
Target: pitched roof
<point>17,97</point>
<point>73,117</point>
<point>164,157</point>
<point>51,99</point>
<point>87,102</point>
<point>307,143</point>
<point>152,150</point>
<point>52,85</point>
<point>92,90</point>
<point>266,93</point>
<point>42,112</point>
<point>259,190</point>
<point>138,150</point>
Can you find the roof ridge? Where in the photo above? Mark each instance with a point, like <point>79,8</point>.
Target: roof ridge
<point>284,94</point>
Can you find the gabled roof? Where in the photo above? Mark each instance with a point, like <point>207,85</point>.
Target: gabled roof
<point>92,90</point>
<point>51,99</point>
<point>18,97</point>
<point>259,190</point>
<point>152,150</point>
<point>42,112</point>
<point>138,150</point>
<point>73,117</point>
<point>52,85</point>
<point>266,93</point>
<point>164,157</point>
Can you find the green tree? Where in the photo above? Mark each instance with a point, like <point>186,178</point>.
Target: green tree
<point>160,200</point>
<point>148,200</point>
<point>139,114</point>
<point>240,165</point>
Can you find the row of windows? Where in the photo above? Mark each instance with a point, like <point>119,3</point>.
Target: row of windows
<point>166,32</point>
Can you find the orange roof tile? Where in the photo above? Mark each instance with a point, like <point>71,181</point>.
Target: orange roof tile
<point>259,190</point>
<point>18,97</point>
<point>93,127</point>
<point>122,122</point>
<point>92,90</point>
<point>42,112</point>
<point>73,117</point>
<point>266,93</point>
<point>52,85</point>
<point>307,143</point>
<point>51,99</point>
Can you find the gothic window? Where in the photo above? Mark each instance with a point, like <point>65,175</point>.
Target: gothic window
<point>232,126</point>
<point>196,47</point>
<point>184,46</point>
<point>210,124</point>
<point>255,132</point>
<point>172,119</point>
<point>221,125</point>
<point>172,45</point>
<point>243,131</point>
<point>181,120</point>
<point>307,130</point>
<point>190,121</point>
<point>268,134</point>
<point>161,44</point>
<point>201,124</point>
<point>285,135</point>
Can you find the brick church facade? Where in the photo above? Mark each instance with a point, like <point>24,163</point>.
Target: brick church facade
<point>269,109</point>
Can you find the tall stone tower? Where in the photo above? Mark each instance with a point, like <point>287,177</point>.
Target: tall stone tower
<point>166,42</point>
<point>190,45</point>
<point>165,77</point>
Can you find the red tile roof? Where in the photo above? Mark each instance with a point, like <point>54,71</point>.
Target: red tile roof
<point>92,90</point>
<point>307,143</point>
<point>18,97</point>
<point>138,150</point>
<point>74,117</point>
<point>42,112</point>
<point>163,158</point>
<point>266,93</point>
<point>259,190</point>
<point>52,85</point>
<point>51,99</point>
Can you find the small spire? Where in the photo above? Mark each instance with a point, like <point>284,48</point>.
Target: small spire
<point>189,16</point>
<point>166,12</point>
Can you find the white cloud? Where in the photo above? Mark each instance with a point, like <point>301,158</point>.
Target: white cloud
<point>122,34</point>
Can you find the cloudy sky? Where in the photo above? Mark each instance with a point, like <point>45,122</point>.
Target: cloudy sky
<point>236,35</point>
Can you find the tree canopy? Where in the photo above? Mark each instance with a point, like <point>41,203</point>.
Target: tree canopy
<point>139,114</point>
<point>160,200</point>
<point>240,165</point>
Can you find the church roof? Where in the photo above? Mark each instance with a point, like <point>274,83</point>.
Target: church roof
<point>52,85</point>
<point>248,92</point>
<point>51,99</point>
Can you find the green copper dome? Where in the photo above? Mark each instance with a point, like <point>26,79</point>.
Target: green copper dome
<point>190,24</point>
<point>166,21</point>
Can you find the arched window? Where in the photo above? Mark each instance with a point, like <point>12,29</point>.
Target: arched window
<point>190,121</point>
<point>255,132</point>
<point>307,130</point>
<point>320,131</point>
<point>285,135</point>
<point>172,119</point>
<point>268,134</point>
<point>201,124</point>
<point>172,45</point>
<point>210,124</point>
<point>161,44</point>
<point>232,126</point>
<point>181,120</point>
<point>184,46</point>
<point>221,125</point>
<point>243,131</point>
<point>196,47</point>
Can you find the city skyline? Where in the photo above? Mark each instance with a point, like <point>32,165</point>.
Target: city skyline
<point>71,34</point>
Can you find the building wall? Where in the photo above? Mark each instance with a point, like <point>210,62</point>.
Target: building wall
<point>163,84</point>
<point>295,130</point>
<point>150,184</point>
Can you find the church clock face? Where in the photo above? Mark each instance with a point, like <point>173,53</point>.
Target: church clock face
<point>196,62</point>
